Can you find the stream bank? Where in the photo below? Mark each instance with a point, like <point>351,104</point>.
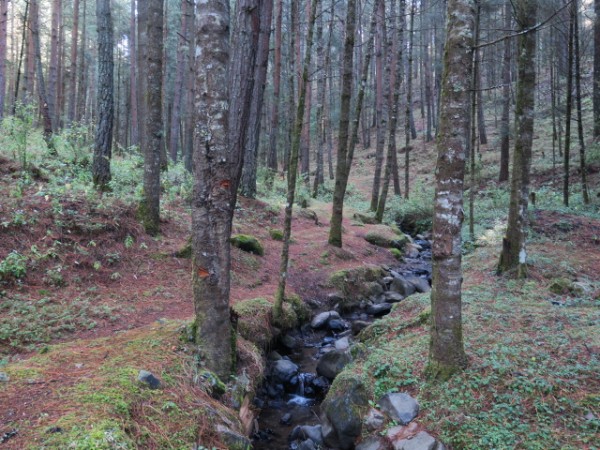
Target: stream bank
<point>305,361</point>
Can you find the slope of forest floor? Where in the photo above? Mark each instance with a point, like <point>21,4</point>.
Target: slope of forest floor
<point>87,300</point>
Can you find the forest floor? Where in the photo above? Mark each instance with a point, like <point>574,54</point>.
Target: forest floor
<point>87,300</point>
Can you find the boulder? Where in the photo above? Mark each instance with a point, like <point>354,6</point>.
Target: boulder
<point>421,441</point>
<point>412,250</point>
<point>373,443</point>
<point>248,244</point>
<point>343,411</point>
<point>402,286</point>
<point>374,420</point>
<point>359,325</point>
<point>420,284</point>
<point>332,363</point>
<point>303,432</point>
<point>233,440</point>
<point>320,320</point>
<point>379,309</point>
<point>307,445</point>
<point>148,379</point>
<point>337,325</point>
<point>342,344</point>
<point>393,297</point>
<point>399,406</point>
<point>284,370</point>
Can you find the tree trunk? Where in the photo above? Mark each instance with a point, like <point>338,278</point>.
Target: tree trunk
<point>514,254</point>
<point>3,33</point>
<point>54,56</point>
<point>569,110</point>
<point>379,111</point>
<point>596,77</point>
<point>248,182</point>
<point>222,106</point>
<point>104,129</point>
<point>21,53</point>
<point>41,85</point>
<point>395,110</point>
<point>272,155</point>
<point>73,71</point>
<point>321,90</point>
<point>82,69</point>
<point>582,165</point>
<point>149,208</point>
<point>408,115</point>
<point>505,120</point>
<point>293,167</point>
<point>446,351</point>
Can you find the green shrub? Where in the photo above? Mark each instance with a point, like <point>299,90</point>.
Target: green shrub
<point>13,266</point>
<point>413,215</point>
<point>248,243</point>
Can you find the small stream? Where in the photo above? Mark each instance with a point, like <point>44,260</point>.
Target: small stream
<point>298,379</point>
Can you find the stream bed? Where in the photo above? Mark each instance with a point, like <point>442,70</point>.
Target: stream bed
<point>305,361</point>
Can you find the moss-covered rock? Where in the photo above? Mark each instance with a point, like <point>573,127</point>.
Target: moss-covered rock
<point>367,219</point>
<point>397,254</point>
<point>276,235</point>
<point>248,243</point>
<point>564,286</point>
<point>356,284</point>
<point>383,236</point>
<point>254,321</point>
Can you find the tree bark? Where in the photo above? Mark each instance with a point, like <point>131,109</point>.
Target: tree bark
<point>54,57</point>
<point>248,182</point>
<point>596,76</point>
<point>222,98</point>
<point>446,351</point>
<point>408,115</point>
<point>82,69</point>
<point>73,71</point>
<point>505,118</point>
<point>41,85</point>
<point>569,110</point>
<point>514,254</point>
<point>153,141</point>
<point>104,130</point>
<point>3,35</point>
<point>272,155</point>
<point>582,165</point>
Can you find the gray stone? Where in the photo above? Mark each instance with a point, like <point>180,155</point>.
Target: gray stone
<point>399,406</point>
<point>373,443</point>
<point>343,410</point>
<point>411,251</point>
<point>393,297</point>
<point>359,325</point>
<point>373,289</point>
<point>374,420</point>
<point>342,344</point>
<point>332,363</point>
<point>307,445</point>
<point>388,280</point>
<point>402,286</point>
<point>422,441</point>
<point>232,439</point>
<point>380,309</point>
<point>420,284</point>
<point>274,356</point>
<point>4,378</point>
<point>148,379</point>
<point>303,432</point>
<point>289,342</point>
<point>320,320</point>
<point>284,370</point>
<point>337,325</point>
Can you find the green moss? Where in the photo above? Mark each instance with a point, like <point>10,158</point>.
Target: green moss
<point>276,235</point>
<point>299,307</point>
<point>103,435</point>
<point>397,254</point>
<point>248,244</point>
<point>355,284</point>
<point>254,320</point>
<point>387,240</point>
<point>217,387</point>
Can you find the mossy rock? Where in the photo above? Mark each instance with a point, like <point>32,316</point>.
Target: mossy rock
<point>276,235</point>
<point>367,219</point>
<point>356,284</point>
<point>254,321</point>
<point>386,237</point>
<point>564,286</point>
<point>397,254</point>
<point>302,311</point>
<point>248,244</point>
<point>216,386</point>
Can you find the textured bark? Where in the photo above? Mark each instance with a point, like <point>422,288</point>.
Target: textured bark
<point>222,99</point>
<point>446,353</point>
<point>514,254</point>
<point>395,110</point>
<point>408,115</point>
<point>72,102</point>
<point>54,62</point>
<point>504,121</point>
<point>272,155</point>
<point>188,122</point>
<point>569,111</point>
<point>596,77</point>
<point>293,167</point>
<point>41,85</point>
<point>104,129</point>
<point>82,69</point>
<point>321,90</point>
<point>175,119</point>
<point>153,141</point>
<point>21,55</point>
<point>248,182</point>
<point>342,170</point>
<point>133,73</point>
<point>582,165</point>
<point>381,121</point>
<point>3,33</point>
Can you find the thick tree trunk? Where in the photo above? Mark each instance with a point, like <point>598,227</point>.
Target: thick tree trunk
<point>321,85</point>
<point>446,352</point>
<point>153,141</point>
<point>54,56</point>
<point>222,100</point>
<point>21,55</point>
<point>569,110</point>
<point>82,69</point>
<point>408,115</point>
<point>41,85</point>
<point>596,87</point>
<point>514,254</point>
<point>104,129</point>
<point>248,182</point>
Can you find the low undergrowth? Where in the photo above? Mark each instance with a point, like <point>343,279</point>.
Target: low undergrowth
<point>532,380</point>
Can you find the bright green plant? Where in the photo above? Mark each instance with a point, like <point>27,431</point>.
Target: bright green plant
<point>13,266</point>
